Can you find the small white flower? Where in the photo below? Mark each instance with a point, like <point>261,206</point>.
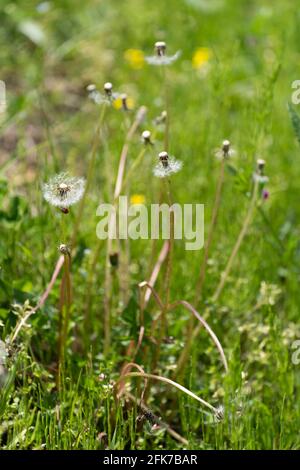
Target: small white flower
<point>63,191</point>
<point>166,166</point>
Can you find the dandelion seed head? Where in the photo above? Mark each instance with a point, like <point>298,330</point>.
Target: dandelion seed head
<point>102,98</point>
<point>160,58</point>
<point>63,191</point>
<point>163,59</point>
<point>166,166</point>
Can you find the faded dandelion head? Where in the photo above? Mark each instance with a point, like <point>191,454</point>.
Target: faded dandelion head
<point>63,190</point>
<point>146,138</point>
<point>166,166</point>
<point>225,151</point>
<point>64,249</point>
<point>219,413</point>
<point>161,119</point>
<point>102,98</point>
<point>160,58</point>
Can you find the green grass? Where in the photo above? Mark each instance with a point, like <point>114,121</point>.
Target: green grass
<point>47,60</point>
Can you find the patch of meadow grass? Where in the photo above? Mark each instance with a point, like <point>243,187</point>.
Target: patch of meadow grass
<point>49,54</point>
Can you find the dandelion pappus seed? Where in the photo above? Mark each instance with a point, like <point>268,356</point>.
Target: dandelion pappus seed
<point>63,191</point>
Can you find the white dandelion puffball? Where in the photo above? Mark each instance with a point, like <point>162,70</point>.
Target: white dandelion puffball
<point>63,190</point>
<point>162,59</point>
<point>162,170</point>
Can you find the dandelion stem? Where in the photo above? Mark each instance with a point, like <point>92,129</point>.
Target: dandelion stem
<point>169,262</point>
<point>135,164</point>
<point>64,317</point>
<point>238,243</point>
<point>118,188</point>
<point>185,352</point>
<point>215,211</point>
<point>90,173</point>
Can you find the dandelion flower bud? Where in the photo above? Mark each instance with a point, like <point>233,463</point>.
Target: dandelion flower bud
<point>160,47</point>
<point>146,137</point>
<point>108,88</point>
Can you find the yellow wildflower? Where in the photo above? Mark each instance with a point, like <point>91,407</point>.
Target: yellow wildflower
<point>137,199</point>
<point>135,58</point>
<point>201,57</point>
<point>118,103</point>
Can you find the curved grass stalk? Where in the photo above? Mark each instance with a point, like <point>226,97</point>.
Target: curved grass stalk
<point>121,383</point>
<point>156,270</point>
<point>213,336</point>
<point>160,378</point>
